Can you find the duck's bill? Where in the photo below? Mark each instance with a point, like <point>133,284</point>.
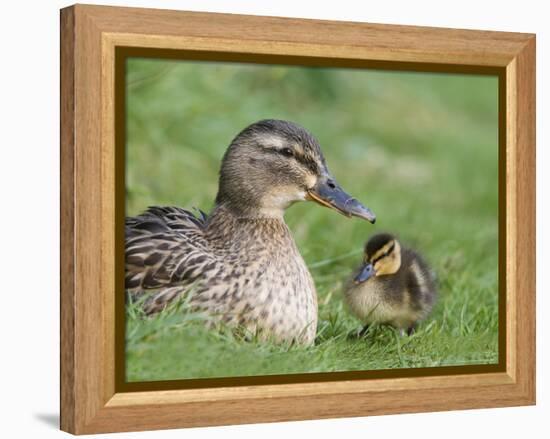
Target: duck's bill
<point>366,272</point>
<point>327,193</point>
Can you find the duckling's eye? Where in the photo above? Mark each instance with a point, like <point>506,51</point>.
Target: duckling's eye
<point>287,152</point>
<point>385,254</point>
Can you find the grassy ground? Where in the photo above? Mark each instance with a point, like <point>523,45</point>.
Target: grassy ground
<point>419,149</point>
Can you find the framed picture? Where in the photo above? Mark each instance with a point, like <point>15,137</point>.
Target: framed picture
<point>207,276</point>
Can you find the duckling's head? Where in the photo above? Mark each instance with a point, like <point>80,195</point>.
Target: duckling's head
<point>382,257</point>
<point>273,163</point>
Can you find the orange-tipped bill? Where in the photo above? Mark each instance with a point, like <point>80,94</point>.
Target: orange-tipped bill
<point>328,193</point>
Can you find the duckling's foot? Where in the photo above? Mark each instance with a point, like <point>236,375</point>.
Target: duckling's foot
<point>411,330</point>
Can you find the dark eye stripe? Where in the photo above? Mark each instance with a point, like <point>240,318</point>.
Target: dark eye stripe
<point>387,253</point>
<point>306,161</point>
<point>287,152</point>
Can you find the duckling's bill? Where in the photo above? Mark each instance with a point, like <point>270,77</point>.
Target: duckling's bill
<point>366,272</point>
<point>328,193</point>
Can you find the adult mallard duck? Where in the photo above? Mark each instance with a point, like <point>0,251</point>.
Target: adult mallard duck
<point>240,263</point>
<point>393,285</point>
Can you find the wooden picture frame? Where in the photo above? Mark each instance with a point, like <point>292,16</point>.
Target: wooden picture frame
<point>92,400</point>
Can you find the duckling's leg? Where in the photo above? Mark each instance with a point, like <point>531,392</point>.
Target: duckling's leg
<point>358,333</point>
<point>364,330</point>
<point>411,329</point>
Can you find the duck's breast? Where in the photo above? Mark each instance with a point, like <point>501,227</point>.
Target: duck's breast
<point>265,287</point>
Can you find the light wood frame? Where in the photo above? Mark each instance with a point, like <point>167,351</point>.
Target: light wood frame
<point>89,37</point>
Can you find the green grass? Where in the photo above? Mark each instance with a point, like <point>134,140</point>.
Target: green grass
<point>419,149</point>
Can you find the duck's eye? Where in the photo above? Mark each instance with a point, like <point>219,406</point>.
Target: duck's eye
<point>287,152</point>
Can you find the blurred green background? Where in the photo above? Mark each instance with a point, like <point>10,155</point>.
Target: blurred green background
<point>421,150</point>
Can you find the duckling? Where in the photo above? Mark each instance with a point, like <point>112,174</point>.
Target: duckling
<point>240,263</point>
<point>393,285</point>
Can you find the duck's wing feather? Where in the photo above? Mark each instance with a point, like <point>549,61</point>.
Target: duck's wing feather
<point>165,247</point>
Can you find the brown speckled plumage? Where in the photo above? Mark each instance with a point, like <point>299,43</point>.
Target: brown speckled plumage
<point>245,270</point>
<point>240,263</point>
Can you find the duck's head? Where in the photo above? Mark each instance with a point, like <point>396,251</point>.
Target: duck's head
<point>382,256</point>
<point>272,164</point>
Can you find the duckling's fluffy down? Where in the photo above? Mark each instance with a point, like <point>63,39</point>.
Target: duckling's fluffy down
<point>401,299</point>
